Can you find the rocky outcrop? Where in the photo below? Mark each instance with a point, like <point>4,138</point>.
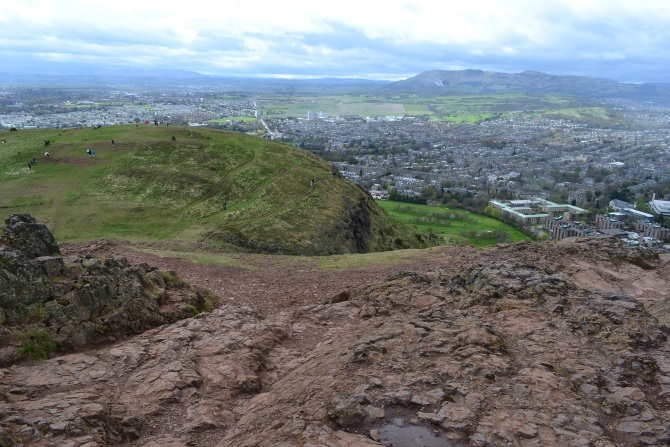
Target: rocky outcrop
<point>24,234</point>
<point>501,353</point>
<point>50,303</point>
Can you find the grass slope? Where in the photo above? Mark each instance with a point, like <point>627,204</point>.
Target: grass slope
<point>454,226</point>
<point>147,187</point>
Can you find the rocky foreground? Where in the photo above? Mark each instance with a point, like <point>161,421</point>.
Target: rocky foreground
<point>520,345</point>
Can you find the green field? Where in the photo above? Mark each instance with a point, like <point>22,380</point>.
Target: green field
<point>460,108</point>
<point>454,226</point>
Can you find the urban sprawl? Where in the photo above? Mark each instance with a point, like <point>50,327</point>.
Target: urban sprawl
<point>552,176</point>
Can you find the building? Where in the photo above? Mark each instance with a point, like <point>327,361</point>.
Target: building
<point>523,214</point>
<point>559,228</point>
<point>660,207</point>
<point>551,207</point>
<point>651,230</point>
<point>635,215</point>
<point>618,205</point>
<point>534,211</point>
<point>608,222</point>
<point>379,195</point>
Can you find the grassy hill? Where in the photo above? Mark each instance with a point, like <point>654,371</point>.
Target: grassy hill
<point>148,187</point>
<point>530,82</point>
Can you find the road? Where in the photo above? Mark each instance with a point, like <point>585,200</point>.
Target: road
<point>258,117</point>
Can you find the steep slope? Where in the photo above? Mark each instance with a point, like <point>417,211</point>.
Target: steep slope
<point>531,82</point>
<point>202,186</point>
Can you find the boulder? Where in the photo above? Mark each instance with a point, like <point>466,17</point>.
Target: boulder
<point>33,239</point>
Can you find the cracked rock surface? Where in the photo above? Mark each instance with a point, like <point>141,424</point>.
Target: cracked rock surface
<point>518,345</point>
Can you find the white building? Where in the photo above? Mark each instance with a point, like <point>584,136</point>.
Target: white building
<point>660,207</point>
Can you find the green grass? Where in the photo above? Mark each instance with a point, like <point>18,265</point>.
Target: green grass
<point>36,344</point>
<point>148,187</point>
<point>454,226</point>
<point>457,108</point>
<point>254,262</point>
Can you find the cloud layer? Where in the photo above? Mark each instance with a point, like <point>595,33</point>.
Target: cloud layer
<point>390,39</point>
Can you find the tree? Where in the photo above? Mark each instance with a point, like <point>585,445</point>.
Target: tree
<point>428,191</point>
<point>493,212</point>
<point>641,205</point>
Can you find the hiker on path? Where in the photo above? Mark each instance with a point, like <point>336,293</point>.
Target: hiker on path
<point>112,142</point>
<point>88,152</point>
<point>47,154</point>
<point>30,166</point>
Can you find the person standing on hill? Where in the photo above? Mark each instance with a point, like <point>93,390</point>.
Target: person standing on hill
<point>30,166</point>
<point>47,154</point>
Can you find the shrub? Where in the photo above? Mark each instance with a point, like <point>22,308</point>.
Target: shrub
<point>171,279</point>
<point>36,344</point>
<point>35,313</point>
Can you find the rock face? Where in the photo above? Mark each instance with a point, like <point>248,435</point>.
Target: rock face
<point>505,352</point>
<point>50,303</point>
<point>23,233</point>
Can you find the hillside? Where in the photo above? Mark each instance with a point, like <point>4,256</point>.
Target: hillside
<point>530,82</point>
<point>531,344</point>
<point>148,186</point>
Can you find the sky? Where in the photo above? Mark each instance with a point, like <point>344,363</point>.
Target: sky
<point>623,40</point>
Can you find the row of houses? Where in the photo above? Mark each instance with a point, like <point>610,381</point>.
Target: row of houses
<point>646,234</point>
<point>562,221</point>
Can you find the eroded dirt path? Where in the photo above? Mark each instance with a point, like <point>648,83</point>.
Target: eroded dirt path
<point>275,282</point>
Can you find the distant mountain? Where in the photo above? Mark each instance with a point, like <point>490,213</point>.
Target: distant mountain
<point>531,82</point>
<point>76,76</point>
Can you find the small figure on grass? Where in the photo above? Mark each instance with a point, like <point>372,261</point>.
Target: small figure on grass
<point>225,204</point>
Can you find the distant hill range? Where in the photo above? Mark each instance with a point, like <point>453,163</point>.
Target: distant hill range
<point>530,82</point>
<point>436,82</point>
<point>78,77</point>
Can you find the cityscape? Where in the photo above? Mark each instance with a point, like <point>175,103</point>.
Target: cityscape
<point>502,164</point>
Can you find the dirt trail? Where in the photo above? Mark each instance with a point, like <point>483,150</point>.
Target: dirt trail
<point>277,282</point>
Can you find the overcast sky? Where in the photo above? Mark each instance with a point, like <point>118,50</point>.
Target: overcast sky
<point>624,40</point>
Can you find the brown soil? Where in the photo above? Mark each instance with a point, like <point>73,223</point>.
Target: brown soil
<point>274,283</point>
